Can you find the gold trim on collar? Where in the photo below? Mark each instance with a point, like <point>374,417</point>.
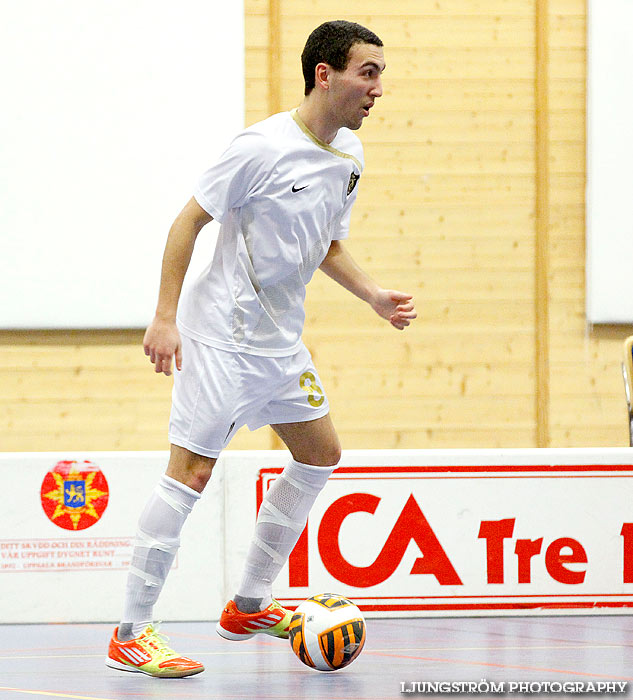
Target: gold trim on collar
<point>321,144</point>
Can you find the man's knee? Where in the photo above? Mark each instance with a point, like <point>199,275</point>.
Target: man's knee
<point>313,442</point>
<point>328,456</point>
<point>334,456</point>
<point>189,468</point>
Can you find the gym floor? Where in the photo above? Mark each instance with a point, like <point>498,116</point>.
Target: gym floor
<point>67,661</point>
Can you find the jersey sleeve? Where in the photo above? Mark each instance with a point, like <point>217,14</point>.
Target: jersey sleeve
<point>238,174</point>
<point>352,146</point>
<point>341,225</point>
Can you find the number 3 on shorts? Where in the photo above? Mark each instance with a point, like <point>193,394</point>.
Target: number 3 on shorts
<point>307,382</point>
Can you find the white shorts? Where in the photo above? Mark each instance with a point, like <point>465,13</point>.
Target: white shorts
<point>217,392</point>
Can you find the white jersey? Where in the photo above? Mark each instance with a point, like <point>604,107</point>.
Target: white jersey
<point>281,196</point>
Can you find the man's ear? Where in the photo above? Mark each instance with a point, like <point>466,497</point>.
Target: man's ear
<point>322,75</point>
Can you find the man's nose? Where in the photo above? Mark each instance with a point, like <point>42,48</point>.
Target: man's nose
<point>376,91</point>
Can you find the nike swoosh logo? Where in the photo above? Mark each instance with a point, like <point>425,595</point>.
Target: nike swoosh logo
<point>298,189</point>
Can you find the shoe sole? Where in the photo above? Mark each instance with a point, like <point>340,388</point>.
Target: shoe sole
<point>235,637</point>
<point>232,636</point>
<point>133,669</point>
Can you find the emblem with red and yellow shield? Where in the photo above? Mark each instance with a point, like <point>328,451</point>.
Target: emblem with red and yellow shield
<point>74,494</point>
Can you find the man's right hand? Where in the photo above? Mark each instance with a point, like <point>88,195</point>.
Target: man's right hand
<point>161,343</point>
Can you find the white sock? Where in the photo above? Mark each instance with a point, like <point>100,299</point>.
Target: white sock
<point>282,517</point>
<point>157,540</point>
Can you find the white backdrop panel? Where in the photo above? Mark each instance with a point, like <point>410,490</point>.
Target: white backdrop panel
<point>110,112</point>
<point>52,574</point>
<point>609,158</point>
<point>401,532</point>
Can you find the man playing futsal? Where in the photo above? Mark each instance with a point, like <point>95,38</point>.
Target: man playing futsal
<point>283,194</point>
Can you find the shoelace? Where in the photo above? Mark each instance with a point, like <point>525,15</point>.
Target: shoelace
<point>158,642</point>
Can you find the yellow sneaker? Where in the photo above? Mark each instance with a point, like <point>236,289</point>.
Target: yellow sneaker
<point>236,625</point>
<point>149,653</point>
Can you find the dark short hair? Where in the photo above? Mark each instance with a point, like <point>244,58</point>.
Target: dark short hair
<point>330,43</point>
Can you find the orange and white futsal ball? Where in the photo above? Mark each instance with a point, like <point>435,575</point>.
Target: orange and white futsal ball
<point>327,632</point>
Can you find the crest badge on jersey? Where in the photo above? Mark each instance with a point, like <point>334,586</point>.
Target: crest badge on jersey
<point>353,179</point>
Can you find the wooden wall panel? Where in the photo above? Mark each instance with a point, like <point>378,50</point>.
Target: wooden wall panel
<point>446,211</point>
<point>587,393</point>
<point>446,208</point>
<point>86,390</point>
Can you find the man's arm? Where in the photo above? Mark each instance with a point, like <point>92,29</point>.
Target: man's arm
<point>162,340</point>
<point>396,307</point>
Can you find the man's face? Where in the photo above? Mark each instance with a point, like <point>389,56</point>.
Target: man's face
<point>354,90</point>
